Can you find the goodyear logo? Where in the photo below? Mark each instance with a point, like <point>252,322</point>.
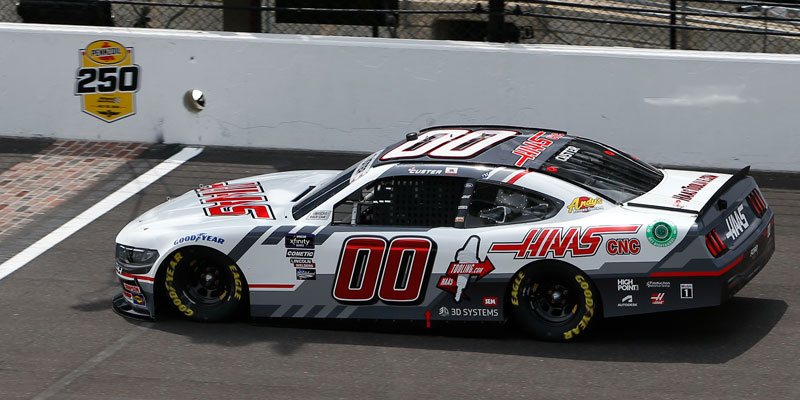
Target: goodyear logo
<point>107,80</point>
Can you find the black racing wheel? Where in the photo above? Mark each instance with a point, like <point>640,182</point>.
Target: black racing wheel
<point>555,302</point>
<point>203,285</point>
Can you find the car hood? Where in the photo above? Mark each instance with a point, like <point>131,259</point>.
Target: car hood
<point>281,190</point>
<point>683,190</point>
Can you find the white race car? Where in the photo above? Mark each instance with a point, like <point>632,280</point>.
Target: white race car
<point>476,223</point>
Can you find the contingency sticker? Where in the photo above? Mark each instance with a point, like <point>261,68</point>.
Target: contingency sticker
<point>107,80</point>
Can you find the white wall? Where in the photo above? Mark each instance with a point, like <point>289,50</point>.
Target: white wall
<point>333,93</point>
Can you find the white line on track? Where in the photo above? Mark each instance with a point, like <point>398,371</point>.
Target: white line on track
<point>97,210</point>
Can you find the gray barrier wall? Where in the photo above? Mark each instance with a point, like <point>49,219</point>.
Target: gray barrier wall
<point>723,110</point>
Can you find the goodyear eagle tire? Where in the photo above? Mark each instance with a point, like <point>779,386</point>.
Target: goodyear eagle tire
<point>554,302</point>
<point>203,285</point>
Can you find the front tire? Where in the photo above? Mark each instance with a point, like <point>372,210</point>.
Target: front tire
<point>203,285</point>
<point>554,302</point>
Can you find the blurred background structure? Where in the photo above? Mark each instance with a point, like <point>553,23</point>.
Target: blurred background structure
<point>721,25</point>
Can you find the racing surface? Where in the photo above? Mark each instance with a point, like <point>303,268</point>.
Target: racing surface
<point>59,338</point>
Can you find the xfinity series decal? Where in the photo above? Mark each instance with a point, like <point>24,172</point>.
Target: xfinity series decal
<point>225,199</point>
<point>540,242</point>
<point>466,265</point>
<point>295,241</point>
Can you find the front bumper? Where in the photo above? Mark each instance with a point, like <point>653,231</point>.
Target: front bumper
<point>121,306</point>
<point>136,300</point>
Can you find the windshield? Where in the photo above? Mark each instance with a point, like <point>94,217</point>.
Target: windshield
<point>603,170</point>
<point>326,189</point>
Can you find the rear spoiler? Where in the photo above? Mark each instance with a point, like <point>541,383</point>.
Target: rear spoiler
<point>743,173</point>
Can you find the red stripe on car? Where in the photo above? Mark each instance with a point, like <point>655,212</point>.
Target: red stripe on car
<point>271,286</point>
<point>517,176</point>
<point>699,273</point>
<point>139,277</point>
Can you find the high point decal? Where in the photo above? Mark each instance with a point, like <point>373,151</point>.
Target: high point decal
<point>546,242</point>
<point>236,199</point>
<point>107,80</point>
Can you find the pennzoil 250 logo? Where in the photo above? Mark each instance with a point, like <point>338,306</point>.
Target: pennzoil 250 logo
<point>107,80</point>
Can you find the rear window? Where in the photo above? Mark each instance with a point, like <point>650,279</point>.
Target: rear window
<point>604,170</point>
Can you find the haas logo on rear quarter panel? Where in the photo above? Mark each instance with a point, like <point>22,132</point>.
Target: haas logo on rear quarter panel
<point>545,242</point>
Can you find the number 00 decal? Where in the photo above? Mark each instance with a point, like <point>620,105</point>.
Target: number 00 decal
<point>395,273</point>
<point>449,143</point>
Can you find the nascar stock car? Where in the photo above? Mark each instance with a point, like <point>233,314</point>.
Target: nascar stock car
<point>475,223</point>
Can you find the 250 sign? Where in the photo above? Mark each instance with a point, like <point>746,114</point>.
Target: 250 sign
<point>394,272</point>
<point>107,80</point>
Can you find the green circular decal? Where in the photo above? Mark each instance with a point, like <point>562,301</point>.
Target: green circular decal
<point>662,233</point>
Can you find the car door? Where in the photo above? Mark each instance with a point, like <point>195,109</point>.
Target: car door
<point>389,239</point>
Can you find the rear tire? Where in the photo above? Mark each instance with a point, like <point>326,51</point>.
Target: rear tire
<point>554,302</point>
<point>203,285</point>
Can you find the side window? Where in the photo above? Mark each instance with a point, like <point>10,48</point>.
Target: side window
<point>493,204</point>
<point>403,201</point>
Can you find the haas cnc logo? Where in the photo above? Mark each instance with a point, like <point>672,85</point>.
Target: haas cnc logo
<point>466,265</point>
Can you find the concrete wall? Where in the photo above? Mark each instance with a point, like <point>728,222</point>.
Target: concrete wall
<point>333,93</point>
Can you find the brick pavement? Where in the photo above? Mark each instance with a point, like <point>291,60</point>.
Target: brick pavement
<point>55,175</point>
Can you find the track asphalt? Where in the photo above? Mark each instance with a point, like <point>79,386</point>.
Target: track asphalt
<point>59,338</point>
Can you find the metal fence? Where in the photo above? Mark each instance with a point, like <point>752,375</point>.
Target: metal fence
<point>725,25</point>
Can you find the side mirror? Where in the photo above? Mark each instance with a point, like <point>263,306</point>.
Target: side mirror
<point>497,214</point>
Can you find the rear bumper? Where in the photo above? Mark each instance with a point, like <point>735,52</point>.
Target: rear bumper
<point>668,289</point>
<point>750,262</point>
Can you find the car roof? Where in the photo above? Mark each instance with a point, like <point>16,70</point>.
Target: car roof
<point>497,145</point>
